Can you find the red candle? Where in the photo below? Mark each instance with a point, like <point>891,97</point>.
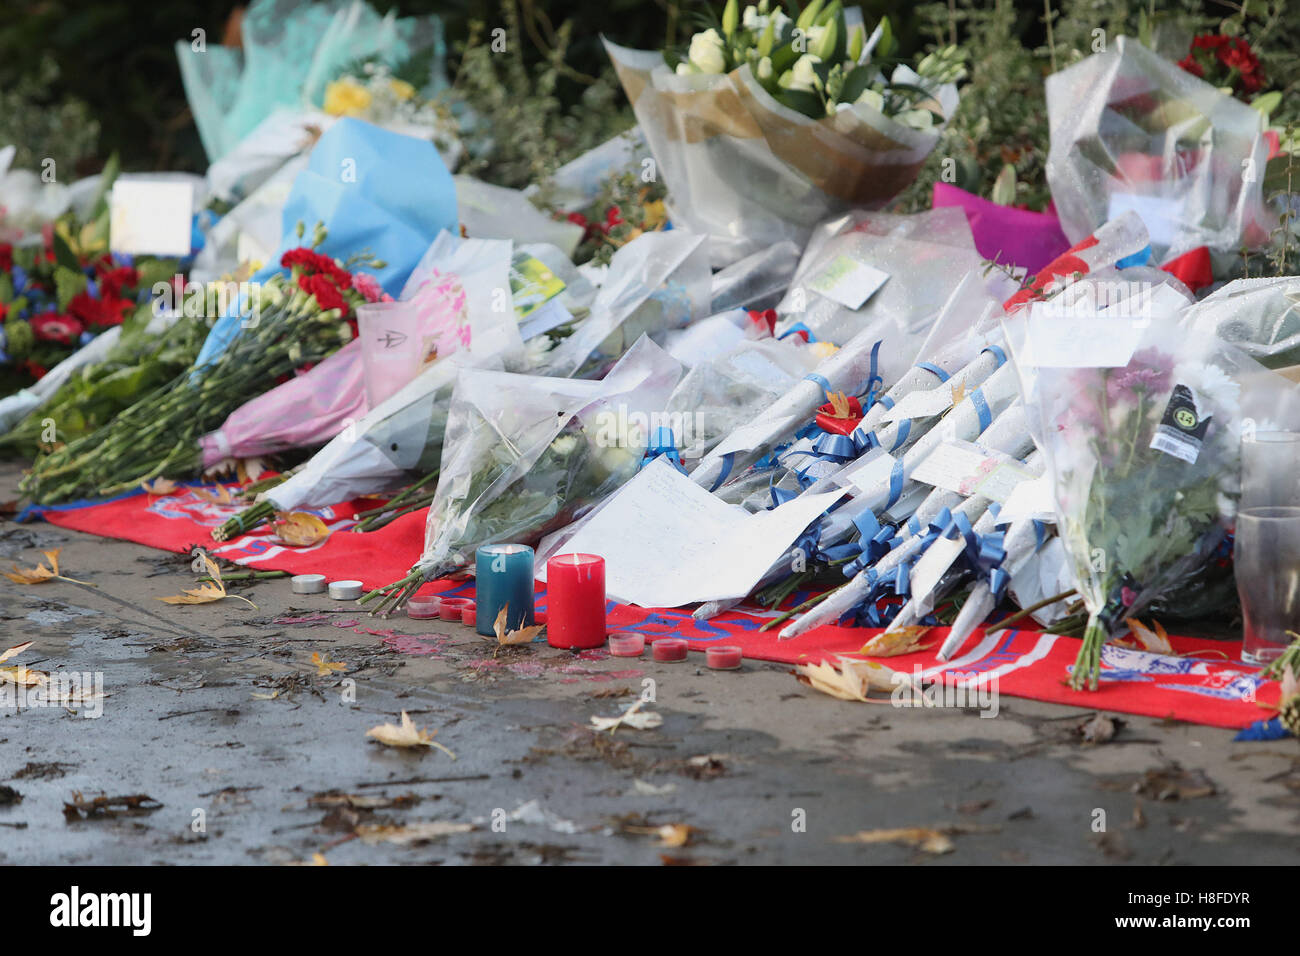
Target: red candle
<point>451,608</point>
<point>575,600</point>
<point>668,649</point>
<point>626,644</point>
<point>725,657</point>
<point>469,617</point>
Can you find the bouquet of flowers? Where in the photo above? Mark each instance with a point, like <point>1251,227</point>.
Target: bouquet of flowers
<point>290,321</point>
<point>1144,457</point>
<point>375,92</point>
<point>56,297</point>
<point>524,455</point>
<point>89,389</point>
<point>1130,131</point>
<point>766,124</point>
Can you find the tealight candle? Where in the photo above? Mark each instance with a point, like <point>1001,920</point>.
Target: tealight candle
<point>423,606</point>
<point>575,600</point>
<point>469,616</point>
<point>503,577</point>
<point>626,644</point>
<point>451,609</point>
<point>668,649</point>
<point>725,657</point>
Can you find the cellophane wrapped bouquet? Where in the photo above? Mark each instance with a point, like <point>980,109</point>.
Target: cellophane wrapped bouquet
<point>1145,460</point>
<point>1131,130</point>
<point>524,455</point>
<point>766,124</point>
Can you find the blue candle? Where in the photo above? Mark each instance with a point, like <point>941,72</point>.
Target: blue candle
<point>503,578</point>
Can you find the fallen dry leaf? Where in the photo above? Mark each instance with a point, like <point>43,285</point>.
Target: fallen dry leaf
<point>854,680</point>
<point>159,486</point>
<point>271,696</point>
<point>300,529</point>
<point>325,668</point>
<point>524,635</point>
<point>406,735</point>
<point>1100,729</point>
<point>839,403</point>
<point>1156,641</point>
<point>958,392</point>
<point>632,717</point>
<point>675,834</point>
<point>221,496</point>
<point>926,839</point>
<point>213,590</point>
<point>39,574</point>
<point>14,651</point>
<point>905,640</point>
<point>411,833</point>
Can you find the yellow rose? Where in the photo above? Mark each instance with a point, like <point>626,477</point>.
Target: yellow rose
<point>401,89</point>
<point>346,97</point>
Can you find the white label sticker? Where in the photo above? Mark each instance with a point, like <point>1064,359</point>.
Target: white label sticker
<point>151,217</point>
<point>848,281</point>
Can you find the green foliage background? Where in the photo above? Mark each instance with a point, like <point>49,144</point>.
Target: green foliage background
<point>80,79</point>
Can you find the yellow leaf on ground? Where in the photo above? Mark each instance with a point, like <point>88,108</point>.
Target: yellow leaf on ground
<point>22,676</point>
<point>14,651</point>
<point>675,834</point>
<point>221,496</point>
<point>524,635</point>
<point>39,574</point>
<point>412,832</point>
<point>853,680</point>
<point>905,640</point>
<point>926,839</point>
<point>406,735</point>
<point>159,486</point>
<point>300,529</point>
<point>323,667</point>
<point>213,590</point>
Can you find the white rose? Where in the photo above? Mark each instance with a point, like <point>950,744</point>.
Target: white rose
<point>802,76</point>
<point>707,52</point>
<point>764,70</point>
<point>751,19</point>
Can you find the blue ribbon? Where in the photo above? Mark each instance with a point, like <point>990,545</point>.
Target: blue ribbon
<point>931,367</point>
<point>795,329</point>
<point>998,354</point>
<point>981,408</point>
<point>874,381</point>
<point>727,460</point>
<point>904,429</point>
<point>819,379</point>
<point>663,443</point>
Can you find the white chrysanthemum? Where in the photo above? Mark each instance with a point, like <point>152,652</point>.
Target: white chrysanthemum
<point>535,351</point>
<point>708,53</point>
<point>764,71</point>
<point>1215,386</point>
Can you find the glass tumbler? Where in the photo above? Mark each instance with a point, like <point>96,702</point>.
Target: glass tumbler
<point>1267,558</point>
<point>1270,470</point>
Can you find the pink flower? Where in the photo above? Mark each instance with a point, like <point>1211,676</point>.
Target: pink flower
<point>370,288</point>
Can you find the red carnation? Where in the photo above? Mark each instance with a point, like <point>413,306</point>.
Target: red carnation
<point>113,281</point>
<point>327,296</point>
<point>105,311</point>
<point>52,327</point>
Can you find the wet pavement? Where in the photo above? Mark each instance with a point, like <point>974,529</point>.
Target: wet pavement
<point>252,753</point>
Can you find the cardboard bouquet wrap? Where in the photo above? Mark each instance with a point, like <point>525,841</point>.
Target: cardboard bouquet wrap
<point>751,172</point>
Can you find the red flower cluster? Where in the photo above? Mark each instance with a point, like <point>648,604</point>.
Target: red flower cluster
<point>613,217</point>
<point>321,276</point>
<point>92,312</point>
<point>6,256</point>
<point>1224,61</point>
<point>52,327</point>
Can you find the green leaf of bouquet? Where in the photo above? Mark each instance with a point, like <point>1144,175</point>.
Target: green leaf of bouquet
<point>672,58</point>
<point>1004,187</point>
<point>856,83</point>
<point>67,284</point>
<point>809,104</point>
<point>783,58</point>
<point>1266,103</point>
<point>106,179</point>
<point>64,255</point>
<point>808,17</point>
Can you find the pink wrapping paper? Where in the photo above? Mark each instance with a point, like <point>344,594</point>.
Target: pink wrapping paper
<point>309,409</point>
<point>1013,236</point>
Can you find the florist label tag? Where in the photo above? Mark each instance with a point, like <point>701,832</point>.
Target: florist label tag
<point>1182,428</point>
<point>848,281</point>
<point>1160,215</point>
<point>150,217</point>
<point>967,469</point>
<point>532,284</point>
